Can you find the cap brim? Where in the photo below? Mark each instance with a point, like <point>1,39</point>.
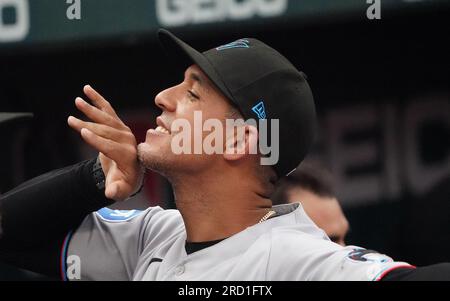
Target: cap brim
<point>9,117</point>
<point>185,56</point>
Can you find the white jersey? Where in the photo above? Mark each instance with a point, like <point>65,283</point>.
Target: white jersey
<point>150,245</point>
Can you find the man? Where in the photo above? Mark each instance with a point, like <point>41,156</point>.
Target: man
<point>225,227</point>
<point>311,185</point>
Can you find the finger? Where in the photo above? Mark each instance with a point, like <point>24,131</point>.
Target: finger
<point>119,153</point>
<point>102,130</point>
<point>99,101</point>
<point>97,115</point>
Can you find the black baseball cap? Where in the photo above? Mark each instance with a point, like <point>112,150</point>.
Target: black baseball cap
<point>10,117</point>
<point>262,84</point>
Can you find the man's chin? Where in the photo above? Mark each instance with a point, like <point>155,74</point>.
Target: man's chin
<point>145,153</point>
<point>151,159</point>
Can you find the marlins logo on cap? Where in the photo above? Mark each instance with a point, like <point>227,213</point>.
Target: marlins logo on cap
<point>237,44</point>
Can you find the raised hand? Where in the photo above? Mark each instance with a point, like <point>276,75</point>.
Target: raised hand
<point>114,141</point>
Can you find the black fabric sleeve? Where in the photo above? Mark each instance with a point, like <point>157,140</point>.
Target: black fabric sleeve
<point>438,272</point>
<point>36,216</point>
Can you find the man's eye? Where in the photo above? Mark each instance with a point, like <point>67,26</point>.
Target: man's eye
<point>192,95</point>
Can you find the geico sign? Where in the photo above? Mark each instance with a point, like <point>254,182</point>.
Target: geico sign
<point>18,30</point>
<point>183,12</point>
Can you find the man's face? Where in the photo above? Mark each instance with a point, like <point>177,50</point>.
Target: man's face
<point>195,94</point>
<point>325,212</point>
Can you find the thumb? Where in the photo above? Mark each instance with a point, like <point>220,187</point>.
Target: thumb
<point>111,191</point>
<point>117,191</point>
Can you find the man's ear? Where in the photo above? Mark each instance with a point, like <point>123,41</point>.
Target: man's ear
<point>243,142</point>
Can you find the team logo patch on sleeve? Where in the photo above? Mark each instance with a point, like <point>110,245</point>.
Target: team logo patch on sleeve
<point>117,216</point>
<point>363,255</point>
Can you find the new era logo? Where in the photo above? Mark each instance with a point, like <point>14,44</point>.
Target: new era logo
<point>237,44</point>
<point>260,110</point>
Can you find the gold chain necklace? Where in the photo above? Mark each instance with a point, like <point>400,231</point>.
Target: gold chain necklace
<point>267,216</point>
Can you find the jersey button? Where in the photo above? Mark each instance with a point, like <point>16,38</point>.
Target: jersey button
<point>179,270</point>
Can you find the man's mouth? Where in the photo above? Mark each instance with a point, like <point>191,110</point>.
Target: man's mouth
<point>162,130</point>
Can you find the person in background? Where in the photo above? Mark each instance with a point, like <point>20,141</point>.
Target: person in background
<point>312,186</point>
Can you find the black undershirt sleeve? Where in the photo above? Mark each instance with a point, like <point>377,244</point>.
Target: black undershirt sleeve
<point>36,216</point>
<point>438,272</point>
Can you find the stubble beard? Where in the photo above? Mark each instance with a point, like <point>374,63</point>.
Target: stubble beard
<point>159,163</point>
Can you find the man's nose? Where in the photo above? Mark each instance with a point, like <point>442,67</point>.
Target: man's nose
<point>165,100</point>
